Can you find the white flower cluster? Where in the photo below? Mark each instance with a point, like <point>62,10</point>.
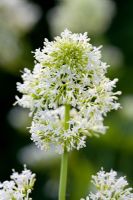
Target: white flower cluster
<point>47,128</point>
<point>109,187</point>
<point>19,187</point>
<point>68,71</point>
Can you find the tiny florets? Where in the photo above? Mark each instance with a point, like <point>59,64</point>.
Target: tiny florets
<point>68,71</point>
<point>109,187</point>
<point>19,187</point>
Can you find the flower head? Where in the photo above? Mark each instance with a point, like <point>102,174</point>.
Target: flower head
<point>68,71</point>
<point>109,187</point>
<point>19,187</point>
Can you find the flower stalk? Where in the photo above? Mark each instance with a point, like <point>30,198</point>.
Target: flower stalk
<point>64,159</point>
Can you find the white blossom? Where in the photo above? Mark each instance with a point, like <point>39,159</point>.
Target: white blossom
<point>69,71</point>
<point>19,187</point>
<point>108,186</point>
<point>48,128</point>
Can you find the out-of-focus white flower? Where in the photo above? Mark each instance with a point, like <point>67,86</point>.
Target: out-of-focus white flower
<point>127,105</point>
<point>9,40</point>
<point>109,187</point>
<point>110,52</point>
<point>69,71</point>
<point>93,16</point>
<point>17,17</point>
<point>19,187</point>
<point>36,158</point>
<point>18,118</point>
<point>20,15</point>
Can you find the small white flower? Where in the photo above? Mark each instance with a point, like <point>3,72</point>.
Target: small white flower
<point>109,187</point>
<point>19,187</point>
<point>69,71</point>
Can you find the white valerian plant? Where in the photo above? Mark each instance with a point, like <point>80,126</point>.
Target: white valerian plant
<point>19,187</point>
<point>108,186</point>
<point>68,95</point>
<point>68,71</point>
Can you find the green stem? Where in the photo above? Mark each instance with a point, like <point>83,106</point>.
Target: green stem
<point>63,176</point>
<point>64,160</point>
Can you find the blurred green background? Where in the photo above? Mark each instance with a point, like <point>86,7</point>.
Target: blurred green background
<point>23,26</point>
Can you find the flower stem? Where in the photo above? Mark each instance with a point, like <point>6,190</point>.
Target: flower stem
<point>64,160</point>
